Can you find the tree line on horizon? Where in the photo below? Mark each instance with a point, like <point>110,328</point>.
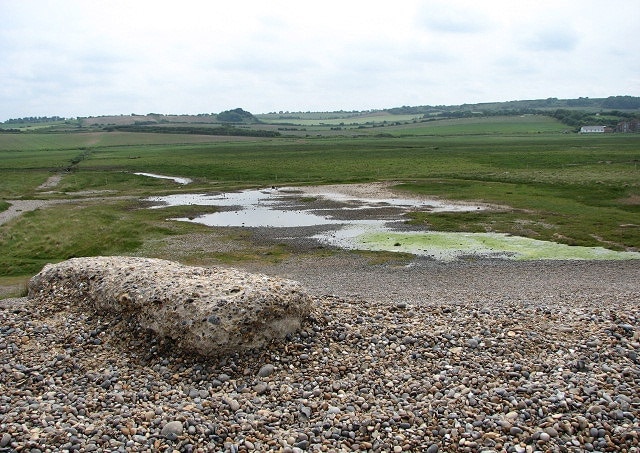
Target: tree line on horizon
<point>609,103</point>
<point>565,110</point>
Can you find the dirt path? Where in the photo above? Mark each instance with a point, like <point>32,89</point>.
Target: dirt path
<point>20,206</point>
<point>50,183</point>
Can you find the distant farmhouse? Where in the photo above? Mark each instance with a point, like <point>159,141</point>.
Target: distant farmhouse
<point>594,129</point>
<point>628,126</point>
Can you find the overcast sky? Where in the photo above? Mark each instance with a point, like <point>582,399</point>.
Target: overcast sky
<point>95,57</point>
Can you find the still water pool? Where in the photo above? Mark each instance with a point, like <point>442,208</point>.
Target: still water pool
<point>272,208</point>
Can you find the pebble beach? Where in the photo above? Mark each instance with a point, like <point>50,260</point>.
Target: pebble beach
<point>415,356</point>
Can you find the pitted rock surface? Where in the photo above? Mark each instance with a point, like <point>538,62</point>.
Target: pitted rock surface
<point>210,311</point>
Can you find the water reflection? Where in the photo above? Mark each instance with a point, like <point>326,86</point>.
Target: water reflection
<point>273,208</point>
<point>251,208</point>
<point>177,179</point>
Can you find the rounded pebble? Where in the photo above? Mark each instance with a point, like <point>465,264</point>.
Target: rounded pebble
<point>172,430</point>
<point>266,370</point>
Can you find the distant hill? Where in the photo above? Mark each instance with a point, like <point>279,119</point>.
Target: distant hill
<point>625,105</point>
<point>228,116</point>
<point>150,118</point>
<point>549,104</point>
<point>237,116</point>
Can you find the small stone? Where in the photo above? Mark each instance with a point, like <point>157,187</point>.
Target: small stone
<point>260,388</point>
<point>506,426</point>
<point>305,412</point>
<point>544,437</point>
<point>627,327</point>
<point>5,440</point>
<point>233,404</point>
<point>551,431</point>
<point>433,448</point>
<point>266,370</point>
<point>172,430</point>
<point>511,416</point>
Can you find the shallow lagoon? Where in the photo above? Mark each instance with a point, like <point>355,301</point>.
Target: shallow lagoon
<point>251,208</point>
<point>272,208</point>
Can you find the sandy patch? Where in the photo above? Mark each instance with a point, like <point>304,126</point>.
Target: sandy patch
<point>383,191</point>
<point>365,190</point>
<point>631,200</point>
<point>50,183</point>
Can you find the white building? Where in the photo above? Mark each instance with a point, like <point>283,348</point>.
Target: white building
<point>592,129</point>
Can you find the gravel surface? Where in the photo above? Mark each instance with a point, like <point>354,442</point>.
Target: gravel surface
<point>421,280</point>
<point>419,356</point>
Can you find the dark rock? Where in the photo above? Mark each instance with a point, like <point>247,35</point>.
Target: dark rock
<point>266,370</point>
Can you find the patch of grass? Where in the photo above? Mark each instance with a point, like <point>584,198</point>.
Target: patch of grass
<point>565,213</point>
<point>496,125</point>
<point>66,231</point>
<point>13,287</point>
<point>275,253</point>
<point>384,257</point>
<point>206,246</point>
<point>4,206</point>
<point>189,211</point>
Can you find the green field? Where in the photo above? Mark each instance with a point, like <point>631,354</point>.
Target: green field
<point>335,119</point>
<point>569,188</point>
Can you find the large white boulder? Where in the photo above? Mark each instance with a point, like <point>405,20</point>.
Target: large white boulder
<point>209,310</point>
